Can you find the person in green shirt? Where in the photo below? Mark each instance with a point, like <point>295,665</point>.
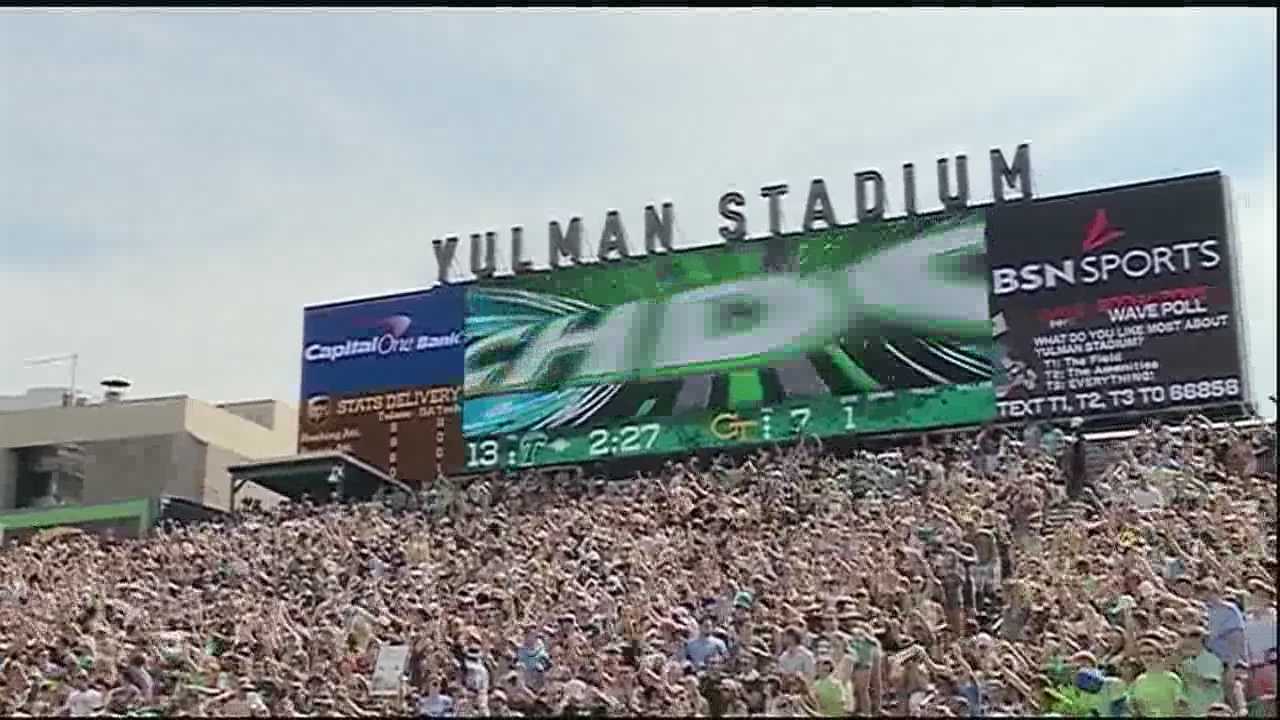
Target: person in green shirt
<point>1201,672</point>
<point>828,690</point>
<point>864,656</point>
<point>1158,691</point>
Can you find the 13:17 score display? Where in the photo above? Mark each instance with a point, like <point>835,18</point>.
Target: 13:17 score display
<point>535,447</point>
<point>726,428</point>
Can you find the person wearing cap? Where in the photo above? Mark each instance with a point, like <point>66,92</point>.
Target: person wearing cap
<point>1106,694</point>
<point>1158,691</point>
<point>1201,672</point>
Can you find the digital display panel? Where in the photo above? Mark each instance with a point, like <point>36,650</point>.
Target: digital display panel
<point>868,328</point>
<point>1120,301</point>
<point>381,381</point>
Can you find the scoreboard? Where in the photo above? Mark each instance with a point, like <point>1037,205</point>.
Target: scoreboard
<point>818,417</point>
<point>1110,303</point>
<point>877,328</point>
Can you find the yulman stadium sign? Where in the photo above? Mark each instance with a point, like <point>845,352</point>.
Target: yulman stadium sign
<point>565,241</point>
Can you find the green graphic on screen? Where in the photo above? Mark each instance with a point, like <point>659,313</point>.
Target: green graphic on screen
<point>861,329</point>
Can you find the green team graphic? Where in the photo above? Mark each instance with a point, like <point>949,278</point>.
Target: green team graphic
<point>867,328</point>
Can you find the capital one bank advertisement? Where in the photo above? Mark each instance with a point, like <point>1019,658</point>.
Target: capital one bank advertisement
<point>1117,301</point>
<point>382,381</point>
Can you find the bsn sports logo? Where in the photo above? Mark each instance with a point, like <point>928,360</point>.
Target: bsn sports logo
<point>392,340</point>
<point>1099,232</point>
<point>1091,268</point>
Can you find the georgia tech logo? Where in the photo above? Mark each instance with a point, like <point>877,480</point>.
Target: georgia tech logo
<point>728,426</point>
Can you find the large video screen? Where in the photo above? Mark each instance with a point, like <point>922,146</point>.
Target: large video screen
<point>869,328</point>
<point>382,381</point>
<point>1115,301</point>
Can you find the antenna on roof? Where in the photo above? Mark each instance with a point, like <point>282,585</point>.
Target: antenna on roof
<point>68,398</point>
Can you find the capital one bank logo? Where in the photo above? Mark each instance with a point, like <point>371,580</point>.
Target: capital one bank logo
<point>1092,266</point>
<point>390,337</point>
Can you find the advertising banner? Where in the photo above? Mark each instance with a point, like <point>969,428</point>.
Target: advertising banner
<point>866,328</point>
<point>381,380</point>
<point>1116,301</point>
<point>413,434</point>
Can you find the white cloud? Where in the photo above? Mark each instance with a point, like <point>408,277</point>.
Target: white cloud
<point>227,179</point>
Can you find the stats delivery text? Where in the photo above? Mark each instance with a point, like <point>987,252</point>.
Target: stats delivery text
<point>1208,391</point>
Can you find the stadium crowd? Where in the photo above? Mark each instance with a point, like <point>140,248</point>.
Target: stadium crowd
<point>976,576</point>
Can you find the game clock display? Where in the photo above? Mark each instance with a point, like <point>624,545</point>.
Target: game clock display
<point>823,417</point>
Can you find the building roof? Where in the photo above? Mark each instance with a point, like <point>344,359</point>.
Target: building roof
<point>185,510</point>
<point>143,417</point>
<point>144,511</point>
<point>73,514</point>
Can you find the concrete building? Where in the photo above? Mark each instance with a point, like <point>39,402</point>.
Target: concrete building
<point>121,449</point>
<point>38,397</point>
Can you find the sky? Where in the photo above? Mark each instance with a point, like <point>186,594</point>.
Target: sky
<point>175,186</point>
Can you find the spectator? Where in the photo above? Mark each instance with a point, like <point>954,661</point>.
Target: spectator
<point>706,646</point>
<point>533,658</point>
<point>1226,638</point>
<point>799,582</point>
<point>1157,692</point>
<point>796,659</point>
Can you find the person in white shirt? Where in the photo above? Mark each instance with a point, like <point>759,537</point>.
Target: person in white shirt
<point>796,659</point>
<point>84,700</point>
<point>477,674</point>
<point>1146,496</point>
<point>437,703</point>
